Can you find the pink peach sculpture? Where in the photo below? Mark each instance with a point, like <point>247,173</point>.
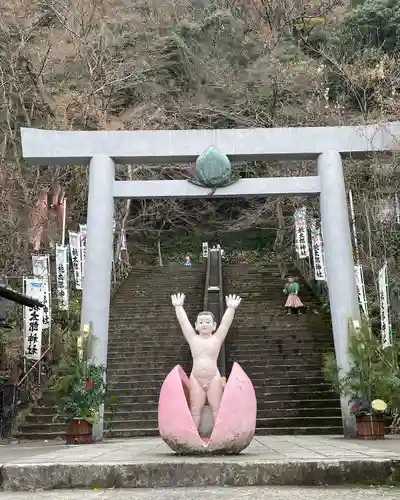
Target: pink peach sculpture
<point>183,421</point>
<point>234,425</point>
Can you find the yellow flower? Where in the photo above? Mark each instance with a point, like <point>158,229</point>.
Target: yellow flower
<point>379,405</point>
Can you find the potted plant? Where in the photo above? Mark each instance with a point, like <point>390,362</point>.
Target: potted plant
<point>365,383</point>
<point>370,418</point>
<point>79,391</point>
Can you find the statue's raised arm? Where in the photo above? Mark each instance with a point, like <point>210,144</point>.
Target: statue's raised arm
<point>232,303</point>
<point>187,329</point>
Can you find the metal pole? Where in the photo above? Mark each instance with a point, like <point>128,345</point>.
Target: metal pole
<point>24,327</point>
<point>64,221</point>
<point>340,266</point>
<point>353,224</point>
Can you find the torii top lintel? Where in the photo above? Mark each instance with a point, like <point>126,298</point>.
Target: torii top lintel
<point>47,147</point>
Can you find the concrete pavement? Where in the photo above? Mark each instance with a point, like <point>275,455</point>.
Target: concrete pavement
<point>254,493</point>
<point>149,463</point>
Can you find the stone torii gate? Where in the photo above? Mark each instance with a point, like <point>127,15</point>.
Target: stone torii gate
<point>101,150</point>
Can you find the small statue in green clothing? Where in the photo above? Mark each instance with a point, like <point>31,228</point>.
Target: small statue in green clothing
<point>292,291</point>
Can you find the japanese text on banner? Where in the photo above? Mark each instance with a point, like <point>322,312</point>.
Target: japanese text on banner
<point>301,235</point>
<point>41,270</point>
<point>318,253</point>
<point>33,320</point>
<point>362,298</point>
<point>76,257</point>
<point>82,232</point>
<point>386,330</point>
<point>62,277</point>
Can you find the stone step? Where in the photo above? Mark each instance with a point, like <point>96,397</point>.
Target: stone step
<point>325,405</point>
<point>134,423</point>
<point>176,348</point>
<point>273,394</point>
<point>152,303</point>
<point>251,370</point>
<point>329,429</point>
<point>269,290</point>
<point>304,421</point>
<point>266,348</point>
<point>58,428</point>
<point>33,435</point>
<point>140,393</point>
<point>271,360</point>
<point>267,398</point>
<point>124,433</point>
<point>177,345</point>
<point>262,387</point>
<point>242,324</point>
<point>240,340</point>
<point>321,406</point>
<point>151,364</point>
<point>163,337</point>
<point>159,334</point>
<point>291,430</point>
<point>127,384</point>
<point>232,347</point>
<point>262,413</point>
<point>117,357</point>
<point>295,391</point>
<point>138,321</point>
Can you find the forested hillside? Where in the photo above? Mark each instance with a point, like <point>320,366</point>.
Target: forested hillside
<point>156,64</point>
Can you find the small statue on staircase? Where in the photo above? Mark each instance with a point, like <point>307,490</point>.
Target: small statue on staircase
<point>293,302</point>
<point>205,381</point>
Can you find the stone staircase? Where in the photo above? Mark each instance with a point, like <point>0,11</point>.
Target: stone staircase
<point>281,354</point>
<point>146,343</point>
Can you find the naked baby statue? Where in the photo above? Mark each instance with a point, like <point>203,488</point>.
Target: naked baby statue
<point>205,380</point>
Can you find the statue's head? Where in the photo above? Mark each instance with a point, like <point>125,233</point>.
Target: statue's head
<point>205,324</point>
<point>290,279</point>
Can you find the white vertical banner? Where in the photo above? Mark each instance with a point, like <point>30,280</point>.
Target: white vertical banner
<point>41,270</point>
<point>33,319</point>
<point>122,245</point>
<point>123,240</point>
<point>386,329</point>
<point>362,296</point>
<point>204,248</point>
<point>82,232</point>
<point>318,253</point>
<point>301,235</point>
<point>76,257</point>
<point>397,207</point>
<point>62,276</point>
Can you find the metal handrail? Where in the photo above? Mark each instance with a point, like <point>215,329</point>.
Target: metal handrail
<point>222,359</point>
<point>207,283</point>
<point>34,366</point>
<point>305,268</point>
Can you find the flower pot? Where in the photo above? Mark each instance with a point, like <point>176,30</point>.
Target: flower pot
<point>370,427</point>
<point>79,432</point>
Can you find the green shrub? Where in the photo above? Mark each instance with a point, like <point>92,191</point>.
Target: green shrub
<point>373,24</point>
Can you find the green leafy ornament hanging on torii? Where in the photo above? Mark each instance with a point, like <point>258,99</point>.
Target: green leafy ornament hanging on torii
<point>213,170</point>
